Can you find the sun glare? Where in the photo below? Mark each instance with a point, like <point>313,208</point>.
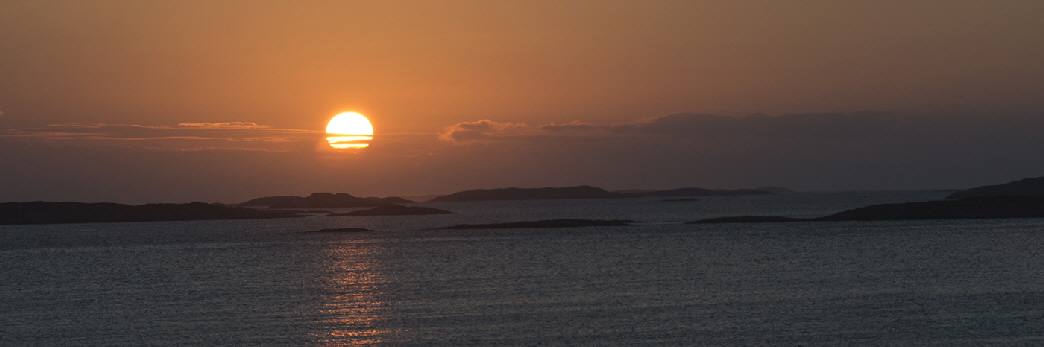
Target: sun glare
<point>349,130</point>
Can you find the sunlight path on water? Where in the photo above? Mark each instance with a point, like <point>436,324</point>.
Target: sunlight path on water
<point>351,307</point>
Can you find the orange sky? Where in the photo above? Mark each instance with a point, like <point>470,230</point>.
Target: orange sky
<point>120,76</point>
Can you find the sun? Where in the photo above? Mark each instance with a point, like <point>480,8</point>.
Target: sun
<point>349,130</point>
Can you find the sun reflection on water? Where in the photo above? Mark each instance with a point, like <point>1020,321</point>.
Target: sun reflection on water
<point>351,307</point>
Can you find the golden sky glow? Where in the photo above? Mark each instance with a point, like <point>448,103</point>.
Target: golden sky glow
<point>423,65</point>
<point>224,100</point>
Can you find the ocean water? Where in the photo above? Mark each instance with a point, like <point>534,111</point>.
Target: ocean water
<point>655,283</point>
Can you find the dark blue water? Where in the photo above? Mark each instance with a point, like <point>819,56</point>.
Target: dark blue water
<point>658,282</point>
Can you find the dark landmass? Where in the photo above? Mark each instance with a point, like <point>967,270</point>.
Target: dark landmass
<point>995,207</point>
<point>106,212</point>
<point>420,198</point>
<point>693,191</point>
<point>749,219</point>
<point>338,230</point>
<point>551,223</point>
<point>1023,187</point>
<point>679,200</point>
<point>322,200</point>
<point>393,210</point>
<point>581,192</point>
<point>971,208</point>
<point>776,190</point>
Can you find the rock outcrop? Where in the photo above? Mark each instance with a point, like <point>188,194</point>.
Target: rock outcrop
<point>693,191</point>
<point>551,223</point>
<point>580,192</point>
<point>994,207</point>
<point>322,200</point>
<point>394,210</point>
<point>583,192</point>
<point>1023,187</point>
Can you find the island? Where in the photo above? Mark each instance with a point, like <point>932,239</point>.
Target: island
<point>394,210</point>
<point>750,219</point>
<point>550,223</point>
<point>992,207</point>
<point>323,200</point>
<point>39,212</point>
<point>693,191</point>
<point>582,192</point>
<point>1023,187</point>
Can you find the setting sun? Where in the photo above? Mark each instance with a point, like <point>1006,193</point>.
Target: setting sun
<point>349,130</point>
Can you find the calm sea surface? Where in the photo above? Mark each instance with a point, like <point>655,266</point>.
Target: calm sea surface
<point>658,282</point>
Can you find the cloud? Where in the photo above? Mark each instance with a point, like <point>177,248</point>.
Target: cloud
<point>574,127</point>
<point>184,136</point>
<point>705,126</point>
<point>483,131</point>
<point>232,125</point>
<point>821,151</point>
<point>487,131</point>
<point>692,126</point>
<point>862,150</point>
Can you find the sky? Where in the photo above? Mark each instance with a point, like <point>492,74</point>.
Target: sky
<point>224,101</point>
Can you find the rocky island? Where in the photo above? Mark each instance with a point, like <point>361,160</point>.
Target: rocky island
<point>693,191</point>
<point>993,207</point>
<point>323,200</point>
<point>393,210</point>
<point>582,192</point>
<point>1023,187</point>
<point>551,223</point>
<point>107,212</point>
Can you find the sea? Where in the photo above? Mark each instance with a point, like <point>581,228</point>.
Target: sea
<point>658,282</point>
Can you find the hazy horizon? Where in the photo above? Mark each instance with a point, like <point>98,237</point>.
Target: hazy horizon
<point>138,102</point>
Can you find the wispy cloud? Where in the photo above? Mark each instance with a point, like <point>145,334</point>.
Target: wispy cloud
<point>573,127</point>
<point>692,126</point>
<point>863,150</point>
<point>184,136</point>
<point>484,131</point>
<point>232,125</point>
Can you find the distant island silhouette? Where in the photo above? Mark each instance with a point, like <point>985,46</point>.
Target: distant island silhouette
<point>323,200</point>
<point>1019,199</point>
<point>991,207</point>
<point>581,192</point>
<point>394,210</point>
<point>550,223</point>
<point>1024,187</point>
<point>693,191</point>
<point>106,212</point>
